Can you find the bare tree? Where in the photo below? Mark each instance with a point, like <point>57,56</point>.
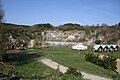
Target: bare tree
<point>2,13</point>
<point>2,35</point>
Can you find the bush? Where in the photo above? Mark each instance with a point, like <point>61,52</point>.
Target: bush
<point>105,62</point>
<point>110,63</point>
<point>97,41</point>
<point>69,77</point>
<point>91,58</point>
<point>116,77</point>
<point>73,71</point>
<point>61,76</point>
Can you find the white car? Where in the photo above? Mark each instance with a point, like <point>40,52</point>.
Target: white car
<point>79,47</point>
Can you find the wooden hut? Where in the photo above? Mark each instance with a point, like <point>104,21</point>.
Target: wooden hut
<point>105,48</point>
<point>12,46</point>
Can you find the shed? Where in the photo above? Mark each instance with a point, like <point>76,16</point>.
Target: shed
<point>105,48</point>
<point>97,48</point>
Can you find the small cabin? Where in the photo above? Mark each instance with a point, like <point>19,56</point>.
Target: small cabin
<point>11,46</point>
<point>105,48</point>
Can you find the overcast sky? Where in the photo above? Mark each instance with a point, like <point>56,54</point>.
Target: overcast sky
<point>57,12</point>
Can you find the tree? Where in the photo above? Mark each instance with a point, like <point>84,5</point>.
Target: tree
<point>97,41</point>
<point>104,25</point>
<point>2,35</point>
<point>2,13</point>
<point>119,24</point>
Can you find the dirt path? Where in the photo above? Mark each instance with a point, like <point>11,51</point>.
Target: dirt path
<point>63,69</point>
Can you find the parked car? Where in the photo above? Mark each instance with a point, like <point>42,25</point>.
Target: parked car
<point>80,47</point>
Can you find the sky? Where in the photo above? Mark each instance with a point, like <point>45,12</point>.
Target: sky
<point>58,12</point>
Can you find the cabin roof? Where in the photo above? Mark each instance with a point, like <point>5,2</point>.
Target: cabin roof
<point>96,47</point>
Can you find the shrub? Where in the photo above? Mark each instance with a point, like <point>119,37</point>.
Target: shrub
<point>110,63</point>
<point>105,62</point>
<point>91,58</point>
<point>73,71</point>
<point>69,77</point>
<point>116,77</point>
<point>97,41</point>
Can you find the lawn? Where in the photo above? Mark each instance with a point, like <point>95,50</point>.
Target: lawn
<point>68,57</point>
<point>43,72</point>
<point>73,58</point>
<point>115,54</point>
<point>27,65</point>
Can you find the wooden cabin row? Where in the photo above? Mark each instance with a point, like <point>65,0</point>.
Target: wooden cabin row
<point>11,46</point>
<point>105,48</point>
<point>14,46</point>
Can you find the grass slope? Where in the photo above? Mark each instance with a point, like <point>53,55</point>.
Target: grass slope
<point>68,57</point>
<point>38,69</point>
<point>73,58</point>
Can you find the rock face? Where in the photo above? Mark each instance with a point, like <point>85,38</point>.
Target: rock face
<point>118,66</point>
<point>31,44</point>
<point>58,35</point>
<point>118,42</point>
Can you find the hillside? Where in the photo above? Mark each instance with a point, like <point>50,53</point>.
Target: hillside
<point>107,34</point>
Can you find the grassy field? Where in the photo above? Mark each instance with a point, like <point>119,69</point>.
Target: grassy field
<point>73,58</point>
<point>68,57</point>
<point>44,72</point>
<point>34,68</point>
<point>27,65</point>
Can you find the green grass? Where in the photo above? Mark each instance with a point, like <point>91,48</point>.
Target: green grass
<point>30,67</point>
<point>68,57</point>
<point>38,69</point>
<point>115,54</point>
<point>33,68</point>
<point>73,58</point>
